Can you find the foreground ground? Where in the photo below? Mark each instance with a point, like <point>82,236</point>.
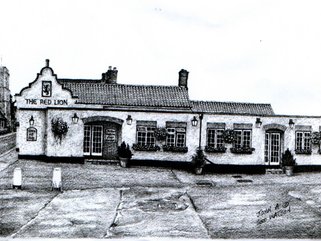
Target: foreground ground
<point>109,201</point>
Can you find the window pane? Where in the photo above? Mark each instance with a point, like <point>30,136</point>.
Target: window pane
<point>170,140</point>
<point>211,137</point>
<point>298,141</point>
<point>307,141</point>
<point>141,138</point>
<point>238,140</point>
<point>150,139</point>
<point>87,137</point>
<point>180,140</point>
<point>219,138</point>
<point>246,139</point>
<point>97,140</point>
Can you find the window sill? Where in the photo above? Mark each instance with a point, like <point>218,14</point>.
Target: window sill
<point>215,150</point>
<point>242,150</point>
<point>183,149</point>
<point>305,152</point>
<point>137,147</point>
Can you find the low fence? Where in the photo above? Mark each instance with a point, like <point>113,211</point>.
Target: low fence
<point>7,142</point>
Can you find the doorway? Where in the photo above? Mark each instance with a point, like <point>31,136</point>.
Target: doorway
<point>273,148</point>
<point>101,140</point>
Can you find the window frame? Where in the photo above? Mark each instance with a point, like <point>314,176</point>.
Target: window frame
<point>303,144</point>
<point>213,143</point>
<point>145,130</point>
<point>242,139</point>
<point>173,134</point>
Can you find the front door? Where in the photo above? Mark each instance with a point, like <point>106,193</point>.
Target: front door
<point>272,148</point>
<point>101,140</point>
<point>93,140</point>
<point>110,140</point>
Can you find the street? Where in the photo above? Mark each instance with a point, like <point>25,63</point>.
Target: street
<point>107,201</point>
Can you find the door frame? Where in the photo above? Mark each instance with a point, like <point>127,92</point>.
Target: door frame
<point>268,153</point>
<point>100,121</point>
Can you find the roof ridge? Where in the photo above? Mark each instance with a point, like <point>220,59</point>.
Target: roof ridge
<point>229,102</point>
<point>119,84</point>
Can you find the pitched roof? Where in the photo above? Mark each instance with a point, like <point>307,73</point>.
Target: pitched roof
<point>95,92</point>
<point>232,108</point>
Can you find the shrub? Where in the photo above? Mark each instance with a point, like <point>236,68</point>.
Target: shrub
<point>124,151</point>
<point>199,158</point>
<point>288,159</point>
<point>160,134</point>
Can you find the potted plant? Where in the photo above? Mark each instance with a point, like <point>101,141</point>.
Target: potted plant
<point>198,161</point>
<point>124,154</point>
<point>288,162</point>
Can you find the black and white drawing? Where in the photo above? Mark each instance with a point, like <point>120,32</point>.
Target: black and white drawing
<point>208,128</point>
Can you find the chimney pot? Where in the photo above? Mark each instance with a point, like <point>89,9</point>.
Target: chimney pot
<point>110,77</point>
<point>182,78</point>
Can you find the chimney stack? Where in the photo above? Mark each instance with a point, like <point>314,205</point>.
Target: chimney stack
<point>110,77</point>
<point>182,78</point>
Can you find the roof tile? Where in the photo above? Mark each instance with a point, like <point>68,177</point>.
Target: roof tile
<point>232,108</point>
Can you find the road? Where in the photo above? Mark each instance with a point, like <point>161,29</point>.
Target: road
<point>107,201</point>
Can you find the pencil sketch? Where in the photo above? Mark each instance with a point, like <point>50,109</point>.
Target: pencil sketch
<point>99,157</point>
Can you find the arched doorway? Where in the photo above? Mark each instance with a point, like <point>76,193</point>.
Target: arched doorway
<point>102,135</point>
<point>274,144</point>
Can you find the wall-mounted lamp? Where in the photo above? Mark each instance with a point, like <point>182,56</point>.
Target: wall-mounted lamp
<point>291,123</point>
<point>75,119</point>
<point>258,123</point>
<point>31,121</point>
<point>194,121</point>
<point>129,120</point>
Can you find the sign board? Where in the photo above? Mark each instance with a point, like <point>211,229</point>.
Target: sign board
<point>110,135</point>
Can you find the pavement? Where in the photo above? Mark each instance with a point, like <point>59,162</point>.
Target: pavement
<point>107,201</point>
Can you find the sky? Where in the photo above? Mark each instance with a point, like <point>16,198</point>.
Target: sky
<point>235,50</point>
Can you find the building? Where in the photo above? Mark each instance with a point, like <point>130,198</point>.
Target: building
<point>5,100</point>
<point>77,119</point>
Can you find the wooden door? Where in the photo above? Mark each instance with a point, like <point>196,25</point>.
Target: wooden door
<point>111,135</point>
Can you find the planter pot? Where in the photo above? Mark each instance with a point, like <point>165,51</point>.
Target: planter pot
<point>198,170</point>
<point>123,161</point>
<point>289,170</point>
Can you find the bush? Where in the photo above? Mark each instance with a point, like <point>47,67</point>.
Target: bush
<point>288,159</point>
<point>199,158</point>
<point>124,151</point>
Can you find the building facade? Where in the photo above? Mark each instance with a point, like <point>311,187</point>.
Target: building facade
<point>5,99</point>
<point>77,119</point>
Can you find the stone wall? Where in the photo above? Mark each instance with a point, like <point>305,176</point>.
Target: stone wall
<point>7,142</point>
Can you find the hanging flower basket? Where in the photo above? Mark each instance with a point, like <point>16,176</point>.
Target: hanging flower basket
<point>59,128</point>
<point>315,138</point>
<point>229,136</point>
<point>160,134</point>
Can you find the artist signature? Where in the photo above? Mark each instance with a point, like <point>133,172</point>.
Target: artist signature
<point>271,212</point>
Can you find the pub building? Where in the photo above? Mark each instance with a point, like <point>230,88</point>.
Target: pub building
<point>80,119</point>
